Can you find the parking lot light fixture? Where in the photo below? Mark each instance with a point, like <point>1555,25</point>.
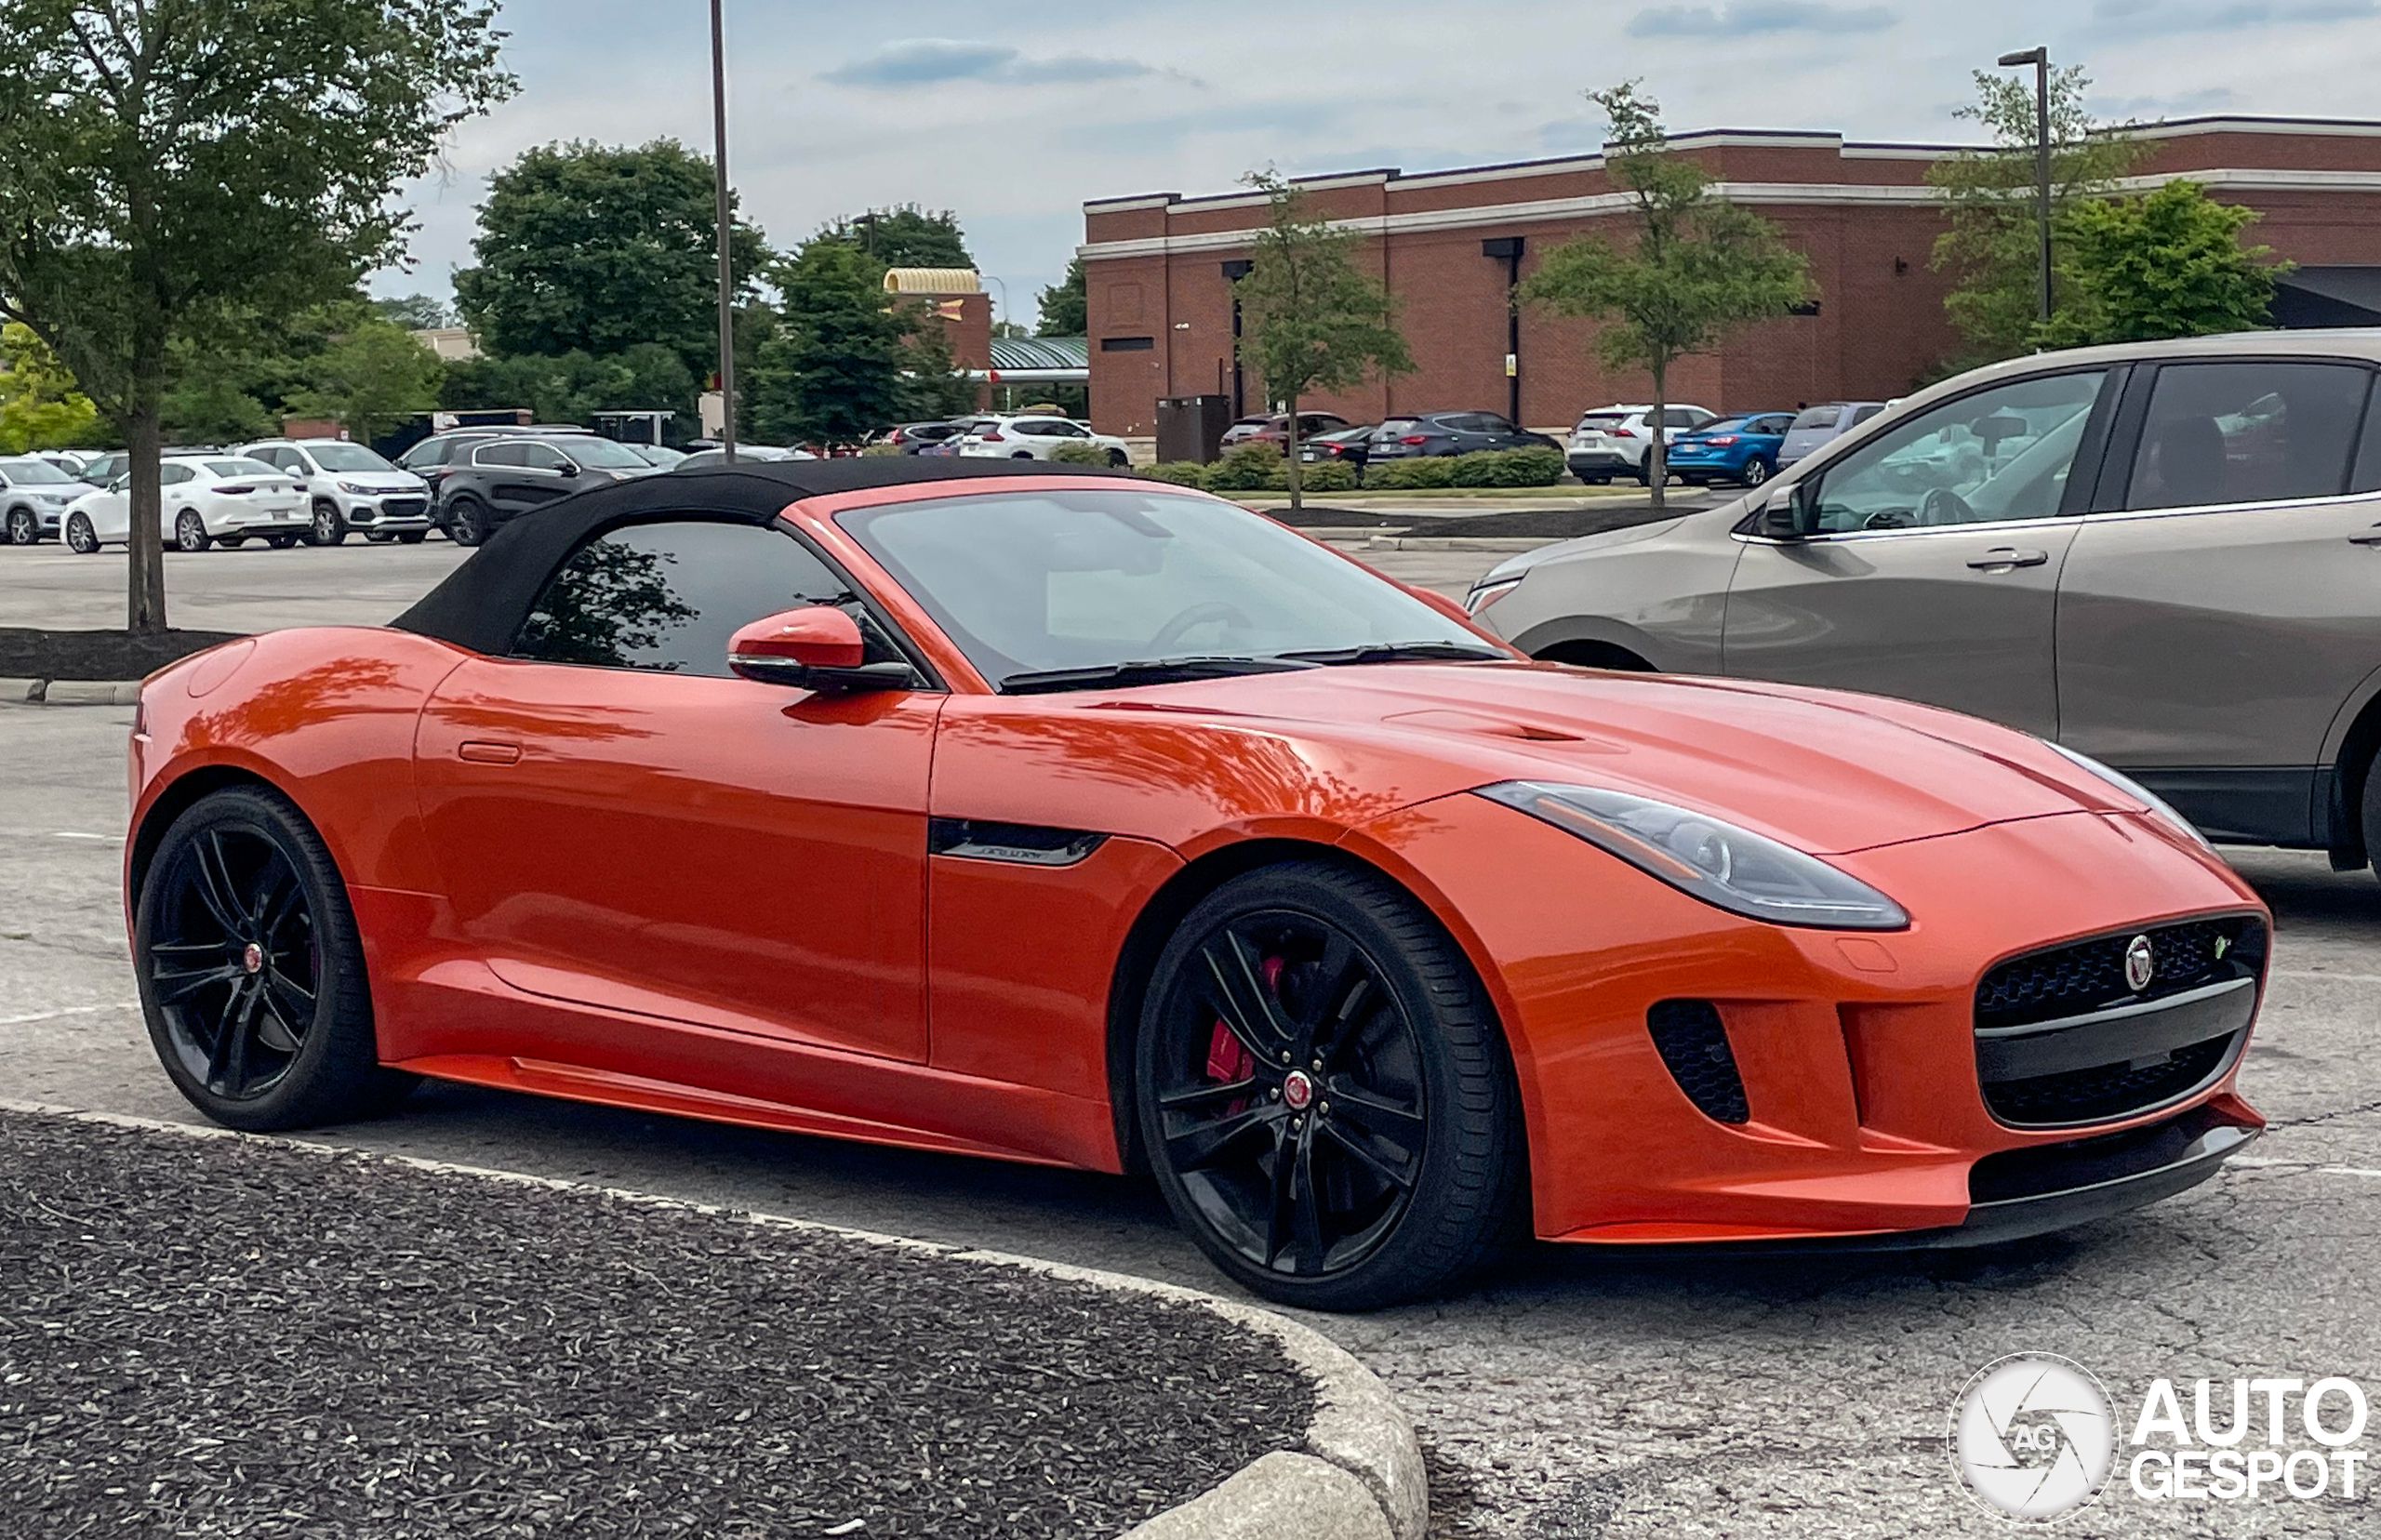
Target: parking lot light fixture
<point>2040,58</point>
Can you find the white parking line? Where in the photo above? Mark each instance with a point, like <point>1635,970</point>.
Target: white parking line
<point>2267,1164</point>
<point>78,834</point>
<point>68,1010</point>
<point>2324,972</point>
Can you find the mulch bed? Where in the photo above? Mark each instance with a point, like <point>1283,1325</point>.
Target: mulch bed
<point>29,654</point>
<point>219,1338</point>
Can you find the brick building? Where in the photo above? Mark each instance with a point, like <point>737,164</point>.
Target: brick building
<point>1159,300</point>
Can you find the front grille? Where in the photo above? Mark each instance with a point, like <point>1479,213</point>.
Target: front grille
<point>402,508</point>
<point>1693,1045</point>
<point>2089,975</point>
<point>2076,983</point>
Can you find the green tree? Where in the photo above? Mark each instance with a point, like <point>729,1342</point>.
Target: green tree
<point>592,248</point>
<point>1991,243</point>
<point>415,312</point>
<point>574,387</point>
<point>932,384</point>
<point>1698,268</point>
<point>2167,264</point>
<point>40,408</point>
<point>1063,309</point>
<point>1309,321</point>
<point>906,236</point>
<point>831,371</point>
<point>164,161</point>
<point>371,378</point>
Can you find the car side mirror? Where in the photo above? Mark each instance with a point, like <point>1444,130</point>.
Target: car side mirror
<point>566,469</point>
<point>1791,512</point>
<point>816,647</point>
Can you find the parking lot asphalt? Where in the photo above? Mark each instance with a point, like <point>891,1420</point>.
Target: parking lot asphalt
<point>1568,1393</point>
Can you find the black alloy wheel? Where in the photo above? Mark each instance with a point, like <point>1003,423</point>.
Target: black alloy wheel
<point>329,527</point>
<point>1322,1091</point>
<point>189,531</point>
<point>23,528</point>
<point>1119,460</point>
<point>81,538</point>
<point>250,973</point>
<point>467,522</point>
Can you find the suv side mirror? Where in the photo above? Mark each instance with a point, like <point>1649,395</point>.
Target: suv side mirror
<point>1792,513</point>
<point>566,469</point>
<point>816,647</point>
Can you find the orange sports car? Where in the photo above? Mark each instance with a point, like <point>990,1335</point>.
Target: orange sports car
<point>1062,816</point>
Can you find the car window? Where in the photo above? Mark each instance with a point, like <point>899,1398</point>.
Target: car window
<point>429,452</point>
<point>33,473</point>
<point>1392,427</point>
<point>1604,420</point>
<point>1044,428</point>
<point>1680,417</point>
<point>245,466</point>
<point>506,452</point>
<point>2253,432</point>
<point>347,456</point>
<point>1726,425</point>
<point>1777,422</point>
<point>1816,417</point>
<point>1999,454</point>
<point>540,456</point>
<point>667,596</point>
<point>1491,423</point>
<point>173,475</point>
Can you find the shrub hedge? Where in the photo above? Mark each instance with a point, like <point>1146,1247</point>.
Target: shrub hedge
<point>1178,472</point>
<point>1079,454</point>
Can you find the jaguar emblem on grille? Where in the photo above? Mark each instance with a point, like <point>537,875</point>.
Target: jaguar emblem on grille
<point>2140,965</point>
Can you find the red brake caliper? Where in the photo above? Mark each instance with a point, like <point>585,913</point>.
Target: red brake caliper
<point>1227,1060</point>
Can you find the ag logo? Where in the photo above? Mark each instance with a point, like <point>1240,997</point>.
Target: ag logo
<point>2032,1437</point>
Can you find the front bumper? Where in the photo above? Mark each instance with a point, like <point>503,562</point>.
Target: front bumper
<point>391,512</point>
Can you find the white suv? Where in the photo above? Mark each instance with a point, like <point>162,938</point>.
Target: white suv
<point>1612,441</point>
<point>348,487</point>
<point>1034,438</point>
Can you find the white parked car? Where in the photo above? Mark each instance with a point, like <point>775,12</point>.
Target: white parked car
<point>33,495</point>
<point>1612,441</point>
<point>1034,438</point>
<point>209,499</point>
<point>349,488</point>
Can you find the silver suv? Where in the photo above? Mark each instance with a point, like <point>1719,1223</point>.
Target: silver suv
<point>348,487</point>
<point>2164,555</point>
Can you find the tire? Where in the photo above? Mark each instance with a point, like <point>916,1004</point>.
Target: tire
<point>81,538</point>
<point>1022,454</point>
<point>467,522</point>
<point>1755,472</point>
<point>329,527</point>
<point>1594,481</point>
<point>23,528</point>
<point>411,537</point>
<point>281,542</point>
<point>1118,459</point>
<point>1695,480</point>
<point>262,1023</point>
<point>1386,1221</point>
<point>189,531</point>
<point>378,539</point>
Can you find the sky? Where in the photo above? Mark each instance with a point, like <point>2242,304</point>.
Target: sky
<point>835,108</point>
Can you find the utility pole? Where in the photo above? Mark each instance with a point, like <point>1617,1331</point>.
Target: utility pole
<point>726,263</point>
<point>2040,58</point>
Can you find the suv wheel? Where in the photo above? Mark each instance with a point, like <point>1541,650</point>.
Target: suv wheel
<point>467,522</point>
<point>23,528</point>
<point>330,525</point>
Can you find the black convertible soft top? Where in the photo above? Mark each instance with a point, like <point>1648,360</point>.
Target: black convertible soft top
<point>482,603</point>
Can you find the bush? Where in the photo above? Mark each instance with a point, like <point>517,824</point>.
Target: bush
<point>1178,472</point>
<point>1428,471</point>
<point>1079,454</point>
<point>878,451</point>
<point>1533,466</point>
<point>1247,468</point>
<point>1322,476</point>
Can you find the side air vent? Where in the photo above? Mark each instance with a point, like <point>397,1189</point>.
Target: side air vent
<point>1693,1046</point>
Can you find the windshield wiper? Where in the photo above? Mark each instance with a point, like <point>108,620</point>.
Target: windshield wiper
<point>1400,652</point>
<point>1154,670</point>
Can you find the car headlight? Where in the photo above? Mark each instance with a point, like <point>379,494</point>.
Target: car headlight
<point>1726,867</point>
<point>2134,790</point>
<point>357,489</point>
<point>1488,592</point>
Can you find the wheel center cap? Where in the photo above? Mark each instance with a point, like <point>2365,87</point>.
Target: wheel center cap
<point>1297,1090</point>
<point>252,958</point>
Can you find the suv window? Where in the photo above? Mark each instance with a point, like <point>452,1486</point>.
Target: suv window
<point>1999,454</point>
<point>504,452</point>
<point>1681,416</point>
<point>2246,433</point>
<point>539,457</point>
<point>667,596</point>
<point>1817,417</point>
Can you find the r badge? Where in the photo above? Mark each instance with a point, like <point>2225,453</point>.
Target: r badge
<point>2140,965</point>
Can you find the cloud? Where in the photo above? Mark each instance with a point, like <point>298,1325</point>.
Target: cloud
<point>935,60</point>
<point>1747,16</point>
<point>2142,18</point>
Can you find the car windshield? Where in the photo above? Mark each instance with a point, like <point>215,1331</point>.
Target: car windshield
<point>238,468</point>
<point>33,473</point>
<point>604,454</point>
<point>1817,417</point>
<point>1603,419</point>
<point>1034,582</point>
<point>1723,425</point>
<point>346,457</point>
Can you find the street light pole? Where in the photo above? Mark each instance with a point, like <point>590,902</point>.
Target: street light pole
<point>2040,58</point>
<point>726,263</point>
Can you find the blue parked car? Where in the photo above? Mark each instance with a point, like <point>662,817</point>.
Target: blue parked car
<point>1740,448</point>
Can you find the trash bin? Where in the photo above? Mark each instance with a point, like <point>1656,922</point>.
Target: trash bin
<point>1191,428</point>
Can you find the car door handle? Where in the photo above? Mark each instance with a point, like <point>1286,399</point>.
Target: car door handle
<point>2009,556</point>
<point>482,753</point>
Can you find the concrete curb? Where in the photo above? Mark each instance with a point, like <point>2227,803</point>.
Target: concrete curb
<point>70,692</point>
<point>1359,1478</point>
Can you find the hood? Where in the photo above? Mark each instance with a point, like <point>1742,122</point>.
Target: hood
<point>1825,771</point>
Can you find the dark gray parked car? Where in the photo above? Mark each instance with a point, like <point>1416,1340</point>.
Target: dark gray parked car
<point>2166,556</point>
